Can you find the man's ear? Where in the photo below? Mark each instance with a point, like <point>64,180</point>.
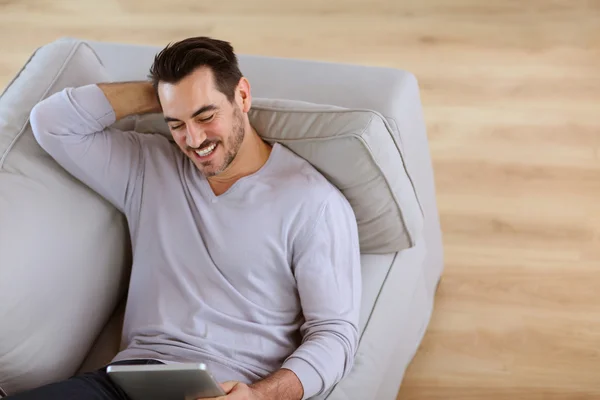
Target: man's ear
<point>245,95</point>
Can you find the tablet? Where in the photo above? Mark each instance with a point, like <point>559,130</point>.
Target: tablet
<point>165,381</point>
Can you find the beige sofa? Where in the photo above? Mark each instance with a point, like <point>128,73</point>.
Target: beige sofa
<point>64,251</point>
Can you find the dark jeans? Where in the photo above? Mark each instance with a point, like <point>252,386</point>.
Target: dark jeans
<point>89,386</point>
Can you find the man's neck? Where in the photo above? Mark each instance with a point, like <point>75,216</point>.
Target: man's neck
<point>252,155</point>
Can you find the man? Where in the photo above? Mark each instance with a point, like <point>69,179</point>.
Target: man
<point>245,257</point>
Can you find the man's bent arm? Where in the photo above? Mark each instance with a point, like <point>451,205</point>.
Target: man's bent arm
<point>73,126</point>
<point>328,275</point>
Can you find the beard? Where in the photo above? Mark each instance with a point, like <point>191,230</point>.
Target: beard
<point>234,143</point>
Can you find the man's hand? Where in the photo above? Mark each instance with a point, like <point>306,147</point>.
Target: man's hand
<point>281,385</point>
<point>238,391</point>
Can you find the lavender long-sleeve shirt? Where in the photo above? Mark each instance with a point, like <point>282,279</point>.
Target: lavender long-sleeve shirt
<point>262,277</point>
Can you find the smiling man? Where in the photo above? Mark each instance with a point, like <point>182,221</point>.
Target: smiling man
<point>245,257</point>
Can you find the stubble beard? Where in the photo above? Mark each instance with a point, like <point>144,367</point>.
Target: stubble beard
<point>233,145</point>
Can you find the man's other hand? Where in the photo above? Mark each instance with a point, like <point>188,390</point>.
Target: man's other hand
<point>281,385</point>
<point>237,391</point>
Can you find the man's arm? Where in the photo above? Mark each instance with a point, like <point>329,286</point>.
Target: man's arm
<point>327,270</point>
<point>73,126</point>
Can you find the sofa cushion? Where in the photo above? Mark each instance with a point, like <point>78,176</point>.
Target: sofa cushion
<point>63,249</point>
<point>355,150</point>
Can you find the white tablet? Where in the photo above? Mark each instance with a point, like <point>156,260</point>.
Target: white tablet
<point>165,381</point>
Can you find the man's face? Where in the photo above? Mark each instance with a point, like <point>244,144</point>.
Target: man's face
<point>204,124</point>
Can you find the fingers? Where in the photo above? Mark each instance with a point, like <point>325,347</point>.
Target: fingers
<point>235,390</point>
<point>228,386</point>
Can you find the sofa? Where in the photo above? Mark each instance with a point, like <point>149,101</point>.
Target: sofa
<point>65,254</point>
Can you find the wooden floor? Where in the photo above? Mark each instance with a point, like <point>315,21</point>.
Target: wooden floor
<point>511,93</point>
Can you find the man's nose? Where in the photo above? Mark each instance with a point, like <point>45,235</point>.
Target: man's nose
<point>195,136</point>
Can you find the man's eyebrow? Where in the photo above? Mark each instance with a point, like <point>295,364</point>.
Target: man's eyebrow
<point>203,109</point>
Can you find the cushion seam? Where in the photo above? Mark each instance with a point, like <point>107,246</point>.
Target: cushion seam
<point>378,295</point>
<point>335,111</point>
<point>405,165</point>
<point>399,145</point>
<point>387,183</point>
<point>54,79</point>
<point>14,79</point>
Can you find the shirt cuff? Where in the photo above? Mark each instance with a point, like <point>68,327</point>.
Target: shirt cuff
<point>95,103</point>
<point>312,383</point>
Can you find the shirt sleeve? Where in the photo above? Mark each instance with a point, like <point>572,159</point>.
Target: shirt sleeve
<point>328,275</point>
<point>73,126</point>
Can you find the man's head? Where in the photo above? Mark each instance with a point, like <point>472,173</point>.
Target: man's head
<point>204,99</point>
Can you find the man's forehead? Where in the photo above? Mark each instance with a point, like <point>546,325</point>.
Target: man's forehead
<point>200,79</point>
<point>190,94</point>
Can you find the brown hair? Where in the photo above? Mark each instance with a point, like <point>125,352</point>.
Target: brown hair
<point>178,60</point>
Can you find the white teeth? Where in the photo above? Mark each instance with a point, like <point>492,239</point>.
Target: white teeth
<point>206,151</point>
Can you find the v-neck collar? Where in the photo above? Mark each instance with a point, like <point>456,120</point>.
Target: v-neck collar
<point>208,191</point>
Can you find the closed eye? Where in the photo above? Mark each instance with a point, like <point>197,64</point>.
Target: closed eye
<point>176,127</point>
<point>206,119</point>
